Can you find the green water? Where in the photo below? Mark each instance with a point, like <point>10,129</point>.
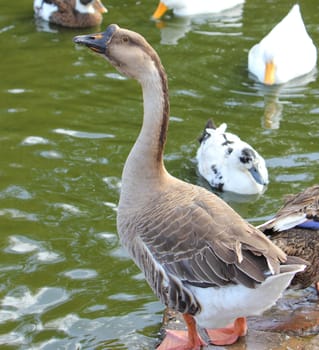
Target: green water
<point>67,123</point>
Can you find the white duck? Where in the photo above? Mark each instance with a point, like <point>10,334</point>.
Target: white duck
<point>230,164</point>
<point>70,13</point>
<point>197,254</point>
<point>287,52</point>
<point>194,7</point>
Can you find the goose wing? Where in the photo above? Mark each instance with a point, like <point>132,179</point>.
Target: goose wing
<point>198,239</point>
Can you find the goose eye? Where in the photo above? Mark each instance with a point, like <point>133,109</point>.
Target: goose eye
<point>125,39</point>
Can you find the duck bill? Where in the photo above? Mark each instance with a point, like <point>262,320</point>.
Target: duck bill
<point>100,7</point>
<point>159,12</point>
<point>96,42</point>
<point>269,78</point>
<point>257,176</point>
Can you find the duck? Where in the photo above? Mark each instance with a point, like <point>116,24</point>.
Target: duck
<point>197,254</point>
<point>183,8</point>
<point>229,164</point>
<point>70,13</point>
<point>287,52</point>
<point>295,229</point>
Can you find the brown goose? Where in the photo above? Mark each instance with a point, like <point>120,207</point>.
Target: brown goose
<point>70,13</point>
<point>198,255</point>
<point>295,229</point>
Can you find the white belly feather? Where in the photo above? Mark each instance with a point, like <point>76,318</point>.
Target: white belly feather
<point>223,305</point>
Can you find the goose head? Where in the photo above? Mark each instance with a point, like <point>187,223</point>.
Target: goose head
<point>127,51</point>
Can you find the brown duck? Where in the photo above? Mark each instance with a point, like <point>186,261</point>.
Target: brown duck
<point>295,229</point>
<point>70,13</point>
<point>197,254</point>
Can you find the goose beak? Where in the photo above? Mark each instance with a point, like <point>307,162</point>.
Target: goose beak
<point>257,176</point>
<point>159,12</point>
<point>97,42</point>
<point>270,69</point>
<point>100,7</point>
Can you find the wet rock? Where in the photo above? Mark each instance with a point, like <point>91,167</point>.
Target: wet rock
<point>297,314</point>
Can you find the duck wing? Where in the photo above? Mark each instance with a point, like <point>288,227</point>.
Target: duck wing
<point>296,210</point>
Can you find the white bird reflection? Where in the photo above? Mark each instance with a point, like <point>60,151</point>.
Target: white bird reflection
<point>276,96</point>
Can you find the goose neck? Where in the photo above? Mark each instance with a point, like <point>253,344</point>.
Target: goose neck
<point>144,168</point>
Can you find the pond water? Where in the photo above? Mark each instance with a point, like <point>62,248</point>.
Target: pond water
<point>67,123</point>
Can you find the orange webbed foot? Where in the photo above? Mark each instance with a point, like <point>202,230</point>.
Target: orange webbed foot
<point>179,340</point>
<point>182,340</point>
<point>229,334</point>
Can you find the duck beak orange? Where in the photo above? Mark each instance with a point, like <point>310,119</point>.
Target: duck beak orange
<point>100,7</point>
<point>159,12</point>
<point>270,69</point>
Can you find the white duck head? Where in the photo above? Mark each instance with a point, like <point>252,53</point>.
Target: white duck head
<point>287,52</point>
<point>230,164</point>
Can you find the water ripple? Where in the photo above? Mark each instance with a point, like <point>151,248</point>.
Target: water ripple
<point>18,214</point>
<point>5,29</point>
<point>293,160</point>
<point>15,191</point>
<point>35,140</point>
<point>22,302</point>
<point>12,338</point>
<point>81,274</point>
<point>22,245</point>
<point>83,134</point>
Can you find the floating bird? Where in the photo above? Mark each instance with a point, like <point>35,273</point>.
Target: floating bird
<point>230,164</point>
<point>287,52</point>
<point>70,13</point>
<point>194,7</point>
<point>295,229</point>
<point>197,254</point>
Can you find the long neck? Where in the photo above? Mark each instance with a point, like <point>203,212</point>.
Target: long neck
<point>144,168</point>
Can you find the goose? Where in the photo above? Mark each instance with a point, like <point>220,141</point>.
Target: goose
<point>191,7</point>
<point>197,254</point>
<point>230,164</point>
<point>295,229</point>
<point>287,52</point>
<point>70,13</point>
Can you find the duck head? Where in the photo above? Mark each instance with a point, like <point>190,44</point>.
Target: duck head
<point>255,165</point>
<point>89,6</point>
<point>165,5</point>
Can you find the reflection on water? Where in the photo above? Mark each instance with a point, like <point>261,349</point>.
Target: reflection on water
<point>277,95</point>
<point>67,123</point>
